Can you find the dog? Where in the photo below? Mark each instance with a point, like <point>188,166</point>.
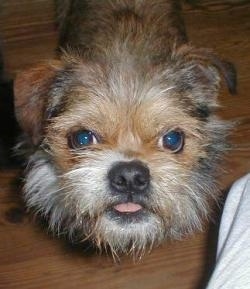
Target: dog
<point>120,133</point>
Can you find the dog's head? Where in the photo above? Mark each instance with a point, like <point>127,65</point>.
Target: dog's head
<point>123,153</point>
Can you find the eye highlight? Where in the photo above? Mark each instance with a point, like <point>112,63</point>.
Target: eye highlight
<point>81,139</point>
<point>172,140</point>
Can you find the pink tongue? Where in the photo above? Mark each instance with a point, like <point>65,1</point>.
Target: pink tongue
<point>128,208</point>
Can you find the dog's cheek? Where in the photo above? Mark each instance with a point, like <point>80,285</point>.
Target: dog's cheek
<point>87,189</point>
<point>87,181</point>
<point>64,199</point>
<point>180,196</point>
<point>181,209</point>
<point>43,192</point>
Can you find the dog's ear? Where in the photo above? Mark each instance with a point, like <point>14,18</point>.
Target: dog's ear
<point>205,59</point>
<point>225,68</point>
<point>31,91</point>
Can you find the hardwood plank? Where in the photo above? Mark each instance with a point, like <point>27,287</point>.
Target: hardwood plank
<point>29,32</point>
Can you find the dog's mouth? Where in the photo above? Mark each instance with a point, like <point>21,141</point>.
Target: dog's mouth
<point>127,213</point>
<point>127,208</point>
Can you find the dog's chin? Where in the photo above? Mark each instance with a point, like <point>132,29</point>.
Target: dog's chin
<point>129,231</point>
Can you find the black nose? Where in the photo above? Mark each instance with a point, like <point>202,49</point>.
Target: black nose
<point>129,177</point>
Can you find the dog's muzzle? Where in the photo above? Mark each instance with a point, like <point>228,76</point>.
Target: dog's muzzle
<point>129,182</point>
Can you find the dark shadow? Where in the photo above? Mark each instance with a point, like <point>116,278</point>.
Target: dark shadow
<point>211,244</point>
<point>9,129</point>
<point>74,245</point>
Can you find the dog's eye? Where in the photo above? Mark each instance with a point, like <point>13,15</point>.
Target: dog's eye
<point>173,140</point>
<point>81,139</point>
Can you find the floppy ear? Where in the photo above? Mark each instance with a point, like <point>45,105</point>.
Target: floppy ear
<point>225,68</point>
<point>31,91</point>
<point>206,58</point>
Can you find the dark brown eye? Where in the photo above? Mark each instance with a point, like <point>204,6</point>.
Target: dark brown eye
<point>173,140</point>
<point>81,139</point>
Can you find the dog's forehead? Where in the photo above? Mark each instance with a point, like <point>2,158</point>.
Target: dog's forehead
<point>121,84</point>
<point>111,99</point>
<point>109,114</point>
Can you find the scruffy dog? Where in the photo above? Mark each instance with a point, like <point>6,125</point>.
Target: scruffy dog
<point>121,137</point>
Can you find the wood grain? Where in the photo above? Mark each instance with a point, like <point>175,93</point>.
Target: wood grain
<point>32,259</point>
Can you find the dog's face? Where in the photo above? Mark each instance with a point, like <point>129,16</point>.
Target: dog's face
<point>124,156</point>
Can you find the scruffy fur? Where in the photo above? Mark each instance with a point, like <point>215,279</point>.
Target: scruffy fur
<point>127,72</point>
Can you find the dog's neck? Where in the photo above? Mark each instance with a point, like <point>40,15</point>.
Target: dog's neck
<point>122,25</point>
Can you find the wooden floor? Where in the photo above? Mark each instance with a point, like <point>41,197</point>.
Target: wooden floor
<point>32,259</point>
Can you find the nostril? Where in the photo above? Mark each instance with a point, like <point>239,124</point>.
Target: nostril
<point>119,181</point>
<point>141,180</point>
